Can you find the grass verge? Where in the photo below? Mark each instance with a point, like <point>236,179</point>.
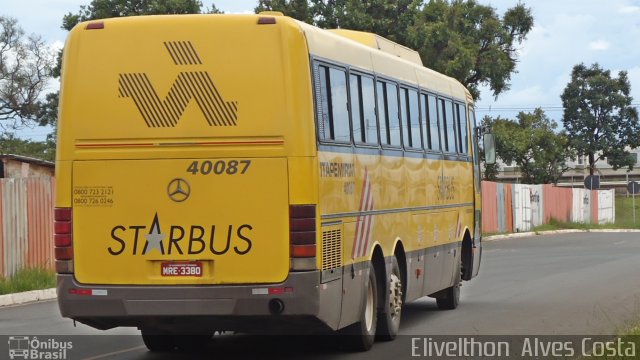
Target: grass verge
<point>625,346</point>
<point>28,279</point>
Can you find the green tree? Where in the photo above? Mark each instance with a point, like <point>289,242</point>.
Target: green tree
<point>10,144</point>
<point>100,9</point>
<point>460,38</point>
<point>297,9</point>
<point>388,18</point>
<point>598,116</point>
<point>531,142</point>
<point>470,42</point>
<point>25,67</point>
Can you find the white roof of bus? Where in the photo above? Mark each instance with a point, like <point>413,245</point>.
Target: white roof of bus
<point>336,46</point>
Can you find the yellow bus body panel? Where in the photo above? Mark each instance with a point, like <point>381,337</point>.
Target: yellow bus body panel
<point>144,98</point>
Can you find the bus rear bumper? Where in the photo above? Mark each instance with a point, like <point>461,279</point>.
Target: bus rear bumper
<point>219,307</point>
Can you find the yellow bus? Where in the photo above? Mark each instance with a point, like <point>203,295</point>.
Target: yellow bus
<point>254,173</point>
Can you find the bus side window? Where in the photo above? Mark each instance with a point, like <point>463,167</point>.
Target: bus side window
<point>410,118</point>
<point>363,109</point>
<point>443,122</point>
<point>325,132</point>
<point>426,130</point>
<point>383,117</point>
<point>339,106</point>
<point>369,111</point>
<point>404,117</point>
<point>463,137</point>
<point>355,83</point>
<point>450,126</point>
<point>334,113</point>
<point>414,112</point>
<point>393,115</point>
<point>434,123</point>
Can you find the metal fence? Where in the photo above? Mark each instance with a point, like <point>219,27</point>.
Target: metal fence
<point>520,207</point>
<point>26,220</point>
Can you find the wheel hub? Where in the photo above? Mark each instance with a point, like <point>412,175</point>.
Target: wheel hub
<point>395,295</point>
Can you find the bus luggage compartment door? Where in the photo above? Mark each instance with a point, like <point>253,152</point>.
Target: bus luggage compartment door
<point>181,221</point>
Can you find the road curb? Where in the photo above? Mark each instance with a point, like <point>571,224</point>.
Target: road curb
<point>552,232</point>
<point>27,297</point>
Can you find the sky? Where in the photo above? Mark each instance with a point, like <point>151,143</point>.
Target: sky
<point>565,33</point>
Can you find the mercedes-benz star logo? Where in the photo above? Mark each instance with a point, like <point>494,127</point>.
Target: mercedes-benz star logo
<point>179,190</point>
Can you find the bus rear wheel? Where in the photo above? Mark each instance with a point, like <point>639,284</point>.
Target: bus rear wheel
<point>390,312</point>
<point>162,341</point>
<point>158,342</point>
<point>450,297</point>
<point>361,335</point>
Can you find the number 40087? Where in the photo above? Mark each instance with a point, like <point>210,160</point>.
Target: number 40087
<point>220,167</point>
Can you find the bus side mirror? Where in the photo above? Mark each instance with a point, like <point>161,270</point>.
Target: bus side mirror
<point>489,141</point>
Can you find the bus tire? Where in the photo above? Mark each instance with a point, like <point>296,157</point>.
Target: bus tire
<point>158,342</point>
<point>390,312</point>
<point>361,335</point>
<point>450,297</point>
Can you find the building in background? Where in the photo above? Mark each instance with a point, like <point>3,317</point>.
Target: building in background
<point>18,166</point>
<point>579,170</point>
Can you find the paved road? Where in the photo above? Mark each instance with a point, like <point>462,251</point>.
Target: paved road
<point>586,283</point>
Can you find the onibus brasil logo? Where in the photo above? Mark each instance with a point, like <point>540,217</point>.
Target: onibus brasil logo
<point>32,348</point>
<point>188,86</point>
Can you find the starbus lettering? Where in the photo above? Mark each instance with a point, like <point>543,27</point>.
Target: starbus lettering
<point>179,240</point>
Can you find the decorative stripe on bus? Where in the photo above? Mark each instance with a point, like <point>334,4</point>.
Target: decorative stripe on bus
<point>393,211</point>
<point>197,143</point>
<point>364,222</point>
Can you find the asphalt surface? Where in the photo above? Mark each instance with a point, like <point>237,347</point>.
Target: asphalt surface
<point>569,284</point>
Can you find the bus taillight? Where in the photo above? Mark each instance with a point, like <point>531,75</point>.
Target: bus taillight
<point>63,226</point>
<point>302,237</point>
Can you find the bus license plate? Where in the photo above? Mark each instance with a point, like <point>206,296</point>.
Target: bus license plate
<point>190,268</point>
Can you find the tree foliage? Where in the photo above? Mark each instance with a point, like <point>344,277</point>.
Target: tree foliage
<point>10,144</point>
<point>460,38</point>
<point>297,9</point>
<point>531,142</point>
<point>599,117</point>
<point>470,42</point>
<point>25,66</point>
<point>100,9</point>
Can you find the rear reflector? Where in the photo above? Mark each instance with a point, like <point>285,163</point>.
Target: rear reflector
<point>89,292</point>
<point>280,290</point>
<point>80,291</point>
<point>98,25</point>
